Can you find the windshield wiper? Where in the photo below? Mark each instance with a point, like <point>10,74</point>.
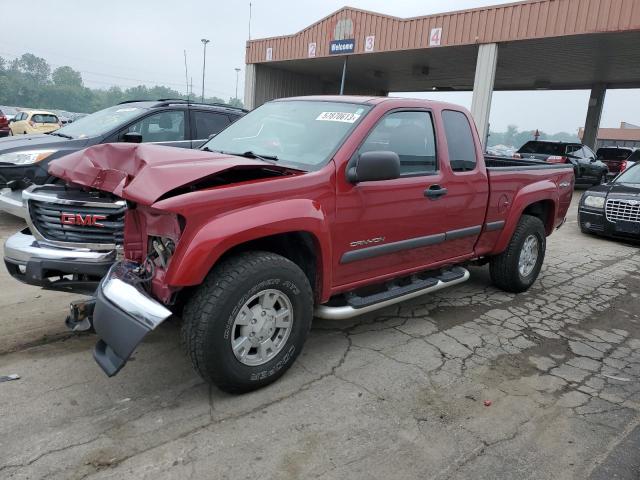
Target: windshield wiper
<point>63,135</point>
<point>250,154</point>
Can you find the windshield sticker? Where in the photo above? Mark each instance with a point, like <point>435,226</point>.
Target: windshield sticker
<point>338,117</point>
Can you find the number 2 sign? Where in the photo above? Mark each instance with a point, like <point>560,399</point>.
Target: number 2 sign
<point>435,37</point>
<point>311,52</point>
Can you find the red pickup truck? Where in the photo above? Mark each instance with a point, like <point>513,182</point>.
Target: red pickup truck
<point>325,206</point>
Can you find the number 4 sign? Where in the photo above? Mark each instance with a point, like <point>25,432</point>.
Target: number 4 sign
<point>435,37</point>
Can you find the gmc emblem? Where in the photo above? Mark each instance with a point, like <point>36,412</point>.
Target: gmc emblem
<point>78,219</point>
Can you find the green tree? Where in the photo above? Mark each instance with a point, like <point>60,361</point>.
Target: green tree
<point>67,76</point>
<point>33,67</point>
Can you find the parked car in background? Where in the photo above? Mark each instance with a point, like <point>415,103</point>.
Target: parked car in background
<point>613,209</point>
<point>24,160</point>
<point>340,204</point>
<point>617,159</point>
<point>587,168</point>
<point>4,125</point>
<point>34,121</point>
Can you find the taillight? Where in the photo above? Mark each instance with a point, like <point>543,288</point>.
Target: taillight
<point>556,159</point>
<point>623,165</point>
<point>517,155</point>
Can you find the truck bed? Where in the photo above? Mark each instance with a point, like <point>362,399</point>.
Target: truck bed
<point>513,164</point>
<point>514,184</point>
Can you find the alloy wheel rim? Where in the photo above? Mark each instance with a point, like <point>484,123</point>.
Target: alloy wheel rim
<point>262,327</point>
<point>528,255</point>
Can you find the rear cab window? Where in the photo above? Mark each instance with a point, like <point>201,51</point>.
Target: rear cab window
<point>460,144</point>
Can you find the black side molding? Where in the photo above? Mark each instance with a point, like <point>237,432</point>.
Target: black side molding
<point>411,243</point>
<point>493,226</point>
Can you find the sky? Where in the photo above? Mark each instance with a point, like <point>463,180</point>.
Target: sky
<point>127,43</point>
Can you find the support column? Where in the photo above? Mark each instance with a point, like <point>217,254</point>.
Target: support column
<point>594,112</point>
<point>483,88</point>
<point>250,86</point>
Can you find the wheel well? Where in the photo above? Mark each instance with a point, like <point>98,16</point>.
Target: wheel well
<point>299,247</point>
<point>544,210</point>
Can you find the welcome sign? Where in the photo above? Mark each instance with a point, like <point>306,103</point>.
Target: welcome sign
<point>342,46</point>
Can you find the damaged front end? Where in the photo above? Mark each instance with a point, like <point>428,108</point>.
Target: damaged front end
<point>124,313</point>
<point>132,299</point>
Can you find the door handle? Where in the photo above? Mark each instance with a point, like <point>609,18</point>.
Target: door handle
<point>435,191</point>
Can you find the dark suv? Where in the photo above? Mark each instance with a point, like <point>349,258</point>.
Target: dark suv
<point>24,159</point>
<point>587,168</point>
<point>618,159</point>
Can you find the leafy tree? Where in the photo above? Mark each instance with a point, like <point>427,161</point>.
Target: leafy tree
<point>67,76</point>
<point>33,67</point>
<point>28,82</point>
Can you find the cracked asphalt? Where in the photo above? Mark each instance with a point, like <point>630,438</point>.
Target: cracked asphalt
<point>469,382</point>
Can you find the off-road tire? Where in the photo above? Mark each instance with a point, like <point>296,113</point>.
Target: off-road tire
<point>504,267</point>
<point>209,316</point>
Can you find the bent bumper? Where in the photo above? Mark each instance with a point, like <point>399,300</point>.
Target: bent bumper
<point>11,202</point>
<point>123,315</point>
<point>36,263</point>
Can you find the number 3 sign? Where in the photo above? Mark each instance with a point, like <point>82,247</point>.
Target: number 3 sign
<point>369,43</point>
<point>435,37</point>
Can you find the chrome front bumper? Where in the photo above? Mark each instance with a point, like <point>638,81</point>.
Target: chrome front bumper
<point>124,314</point>
<point>11,202</point>
<point>33,262</point>
<point>22,247</point>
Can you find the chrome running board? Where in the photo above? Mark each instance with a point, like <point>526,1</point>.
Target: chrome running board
<point>360,305</point>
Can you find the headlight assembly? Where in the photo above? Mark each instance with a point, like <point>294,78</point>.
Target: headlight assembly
<point>26,157</point>
<point>594,201</point>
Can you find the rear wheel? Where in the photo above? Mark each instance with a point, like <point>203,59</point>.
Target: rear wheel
<point>248,321</point>
<point>517,268</point>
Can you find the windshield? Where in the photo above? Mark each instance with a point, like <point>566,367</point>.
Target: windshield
<point>543,148</point>
<point>101,122</point>
<point>631,175</point>
<point>301,133</point>
<point>613,154</point>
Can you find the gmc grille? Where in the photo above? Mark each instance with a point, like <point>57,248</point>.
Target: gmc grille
<point>46,218</point>
<point>622,210</point>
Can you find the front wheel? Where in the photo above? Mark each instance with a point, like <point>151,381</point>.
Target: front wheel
<point>517,268</point>
<point>248,321</point>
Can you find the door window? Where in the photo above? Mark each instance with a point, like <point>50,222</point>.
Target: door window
<point>410,135</point>
<point>167,126</point>
<point>462,148</point>
<point>208,123</point>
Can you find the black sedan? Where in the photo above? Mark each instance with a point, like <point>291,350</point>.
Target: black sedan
<point>587,168</point>
<point>613,209</point>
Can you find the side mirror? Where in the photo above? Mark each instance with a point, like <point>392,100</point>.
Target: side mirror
<point>374,166</point>
<point>10,120</point>
<point>132,137</point>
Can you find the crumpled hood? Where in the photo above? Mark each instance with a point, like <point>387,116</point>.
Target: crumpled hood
<point>141,172</point>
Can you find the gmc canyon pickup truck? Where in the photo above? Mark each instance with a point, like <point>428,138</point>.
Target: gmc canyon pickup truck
<point>313,206</point>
